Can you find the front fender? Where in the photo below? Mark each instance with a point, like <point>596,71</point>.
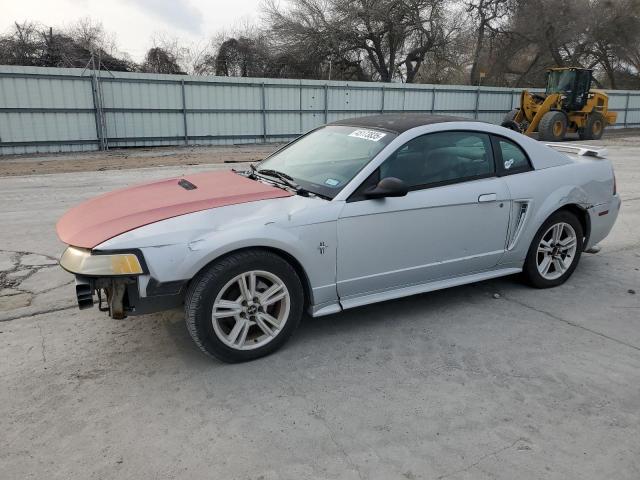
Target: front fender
<point>177,249</point>
<point>183,262</point>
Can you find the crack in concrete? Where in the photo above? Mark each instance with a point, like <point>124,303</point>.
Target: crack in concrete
<point>319,416</point>
<point>16,283</point>
<point>338,446</point>
<point>35,314</point>
<point>570,323</point>
<point>480,460</point>
<point>16,258</point>
<point>43,348</point>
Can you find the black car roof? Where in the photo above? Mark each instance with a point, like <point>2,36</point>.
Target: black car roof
<point>398,122</point>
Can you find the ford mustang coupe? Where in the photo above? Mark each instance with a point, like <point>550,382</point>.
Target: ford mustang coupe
<point>357,211</point>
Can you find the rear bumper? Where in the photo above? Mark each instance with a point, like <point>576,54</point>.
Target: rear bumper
<point>120,296</point>
<point>602,218</point>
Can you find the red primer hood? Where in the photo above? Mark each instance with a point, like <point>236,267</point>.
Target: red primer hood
<point>104,217</point>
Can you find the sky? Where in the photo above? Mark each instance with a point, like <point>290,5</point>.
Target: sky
<point>135,22</point>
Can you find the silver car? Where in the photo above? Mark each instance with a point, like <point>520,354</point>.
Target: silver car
<point>355,212</point>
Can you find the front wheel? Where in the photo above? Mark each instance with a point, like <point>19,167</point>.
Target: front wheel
<point>244,306</point>
<point>555,251</point>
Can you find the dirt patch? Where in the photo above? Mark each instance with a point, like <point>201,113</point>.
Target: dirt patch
<point>129,158</point>
<point>122,159</point>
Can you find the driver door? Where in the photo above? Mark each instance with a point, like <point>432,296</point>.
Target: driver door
<point>452,222</point>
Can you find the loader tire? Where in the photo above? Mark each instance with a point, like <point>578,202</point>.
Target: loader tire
<point>509,121</point>
<point>553,126</point>
<point>509,117</point>
<point>594,127</point>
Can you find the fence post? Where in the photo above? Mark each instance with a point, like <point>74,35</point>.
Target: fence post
<point>626,109</point>
<point>264,114</point>
<point>300,107</point>
<point>326,103</point>
<point>382,101</point>
<point>475,110</point>
<point>184,113</point>
<point>433,100</point>
<point>96,111</point>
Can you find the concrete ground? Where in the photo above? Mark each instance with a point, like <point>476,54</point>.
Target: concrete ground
<point>454,384</point>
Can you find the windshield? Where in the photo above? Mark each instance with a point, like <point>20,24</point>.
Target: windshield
<point>560,81</point>
<point>326,159</point>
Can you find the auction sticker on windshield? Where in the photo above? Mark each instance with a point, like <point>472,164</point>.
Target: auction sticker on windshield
<point>372,135</point>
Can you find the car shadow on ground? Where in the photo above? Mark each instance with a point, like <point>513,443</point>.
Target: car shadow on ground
<point>429,305</point>
<point>315,335</point>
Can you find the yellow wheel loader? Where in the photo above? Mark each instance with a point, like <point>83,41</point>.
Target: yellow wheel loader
<point>569,105</point>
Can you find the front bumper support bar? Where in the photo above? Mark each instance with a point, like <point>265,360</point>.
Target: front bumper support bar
<point>114,290</point>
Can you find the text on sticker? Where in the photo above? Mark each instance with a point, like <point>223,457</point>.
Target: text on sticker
<point>372,135</point>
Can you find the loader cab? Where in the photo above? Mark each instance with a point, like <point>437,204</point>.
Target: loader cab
<point>574,85</point>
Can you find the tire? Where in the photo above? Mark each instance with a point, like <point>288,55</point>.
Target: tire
<point>510,117</point>
<point>535,262</point>
<point>553,126</point>
<point>509,122</point>
<point>594,128</point>
<point>238,331</point>
<point>511,126</point>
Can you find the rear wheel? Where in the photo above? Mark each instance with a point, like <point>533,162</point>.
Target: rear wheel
<point>594,128</point>
<point>244,306</point>
<point>511,116</point>
<point>509,120</point>
<point>553,126</point>
<point>555,251</point>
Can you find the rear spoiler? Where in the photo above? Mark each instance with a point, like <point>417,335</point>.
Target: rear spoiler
<point>583,150</point>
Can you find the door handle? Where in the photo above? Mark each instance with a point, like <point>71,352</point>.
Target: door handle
<point>488,197</point>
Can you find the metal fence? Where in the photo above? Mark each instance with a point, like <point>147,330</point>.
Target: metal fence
<point>57,110</point>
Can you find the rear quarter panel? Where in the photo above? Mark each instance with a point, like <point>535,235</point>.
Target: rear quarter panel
<point>586,183</point>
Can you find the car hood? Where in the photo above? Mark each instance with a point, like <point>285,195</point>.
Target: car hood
<point>114,213</point>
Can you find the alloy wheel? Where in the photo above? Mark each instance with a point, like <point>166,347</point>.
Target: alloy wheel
<point>251,310</point>
<point>556,251</point>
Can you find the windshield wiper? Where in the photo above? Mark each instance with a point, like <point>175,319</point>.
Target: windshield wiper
<point>283,177</point>
<point>277,174</point>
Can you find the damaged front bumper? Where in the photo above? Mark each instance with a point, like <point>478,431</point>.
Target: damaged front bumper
<point>121,282</point>
<point>111,293</point>
<point>121,297</point>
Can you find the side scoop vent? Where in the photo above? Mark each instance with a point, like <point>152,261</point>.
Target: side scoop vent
<point>521,209</point>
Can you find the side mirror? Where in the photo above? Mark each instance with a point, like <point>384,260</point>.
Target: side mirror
<point>387,187</point>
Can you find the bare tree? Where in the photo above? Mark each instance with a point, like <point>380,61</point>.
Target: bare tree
<point>436,41</point>
<point>488,15</point>
<point>241,57</point>
<point>22,45</point>
<point>159,60</point>
<point>91,35</point>
<point>382,39</point>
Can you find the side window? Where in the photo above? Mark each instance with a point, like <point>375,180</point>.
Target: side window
<point>512,157</point>
<point>441,158</point>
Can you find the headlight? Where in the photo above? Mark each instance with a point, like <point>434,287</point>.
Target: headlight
<point>83,262</point>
